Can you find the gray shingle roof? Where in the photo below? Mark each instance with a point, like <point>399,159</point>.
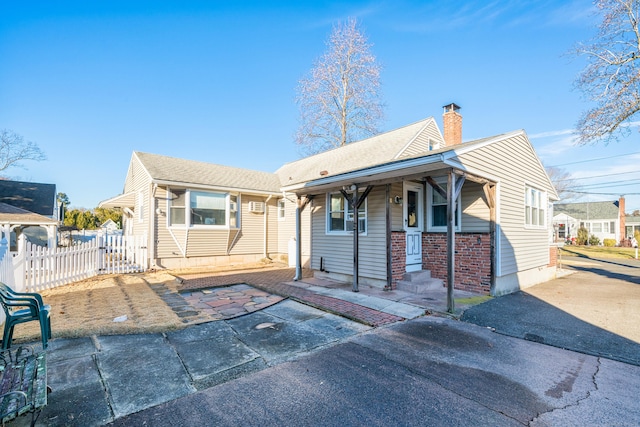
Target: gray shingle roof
<point>182,171</point>
<point>31,196</point>
<point>377,150</point>
<point>588,210</point>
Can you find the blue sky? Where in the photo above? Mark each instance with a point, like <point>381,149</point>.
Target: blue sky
<point>91,82</point>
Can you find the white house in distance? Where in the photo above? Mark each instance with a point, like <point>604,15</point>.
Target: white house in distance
<point>605,220</point>
<point>377,212</point>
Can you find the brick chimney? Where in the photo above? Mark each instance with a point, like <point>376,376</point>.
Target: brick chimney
<point>452,124</point>
<point>622,219</point>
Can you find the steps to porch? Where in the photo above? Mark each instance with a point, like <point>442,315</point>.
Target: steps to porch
<point>419,282</point>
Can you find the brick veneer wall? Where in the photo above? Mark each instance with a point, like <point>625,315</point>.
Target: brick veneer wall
<point>472,260</point>
<point>553,256</point>
<point>398,256</point>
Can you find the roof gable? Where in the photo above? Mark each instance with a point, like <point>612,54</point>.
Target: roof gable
<point>31,196</point>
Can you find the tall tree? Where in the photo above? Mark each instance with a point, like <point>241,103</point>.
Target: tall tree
<point>339,100</point>
<point>611,79</point>
<point>565,186</point>
<point>14,149</point>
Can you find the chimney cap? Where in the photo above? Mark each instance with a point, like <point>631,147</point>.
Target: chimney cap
<point>451,107</point>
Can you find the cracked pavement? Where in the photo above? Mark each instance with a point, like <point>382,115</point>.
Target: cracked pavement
<point>427,371</point>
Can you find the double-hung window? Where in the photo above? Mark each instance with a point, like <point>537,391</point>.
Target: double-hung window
<point>535,207</point>
<point>437,205</point>
<point>203,208</point>
<point>340,215</point>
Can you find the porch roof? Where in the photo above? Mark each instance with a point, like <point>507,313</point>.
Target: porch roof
<point>17,216</point>
<point>126,200</point>
<point>386,169</point>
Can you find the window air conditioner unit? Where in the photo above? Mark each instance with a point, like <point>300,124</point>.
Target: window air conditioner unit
<point>257,207</point>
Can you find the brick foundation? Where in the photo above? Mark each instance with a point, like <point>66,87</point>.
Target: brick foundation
<point>398,257</point>
<point>472,259</point>
<point>553,256</point>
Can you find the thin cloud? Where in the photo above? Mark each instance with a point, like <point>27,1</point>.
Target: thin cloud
<point>551,133</point>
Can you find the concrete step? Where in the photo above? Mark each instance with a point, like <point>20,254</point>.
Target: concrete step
<point>420,287</point>
<point>417,276</point>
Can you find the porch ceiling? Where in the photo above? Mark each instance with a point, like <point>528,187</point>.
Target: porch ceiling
<point>126,200</point>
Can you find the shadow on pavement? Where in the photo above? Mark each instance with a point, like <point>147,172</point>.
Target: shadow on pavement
<point>524,316</point>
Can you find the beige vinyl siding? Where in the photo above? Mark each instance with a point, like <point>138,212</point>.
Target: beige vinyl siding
<point>287,227</point>
<point>511,160</point>
<point>396,209</point>
<point>337,250</point>
<point>420,145</point>
<point>251,240</point>
<point>139,182</point>
<point>202,242</point>
<point>475,212</point>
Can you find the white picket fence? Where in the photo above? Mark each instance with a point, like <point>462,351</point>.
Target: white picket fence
<point>34,268</point>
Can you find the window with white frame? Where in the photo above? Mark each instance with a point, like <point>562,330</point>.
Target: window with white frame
<point>535,207</point>
<point>340,215</point>
<point>281,209</point>
<point>437,208</point>
<point>204,209</point>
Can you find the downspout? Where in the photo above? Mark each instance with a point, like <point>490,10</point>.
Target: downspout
<point>266,236</point>
<point>151,239</point>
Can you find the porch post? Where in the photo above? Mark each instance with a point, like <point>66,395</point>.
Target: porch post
<point>355,201</point>
<point>300,204</point>
<point>451,240</point>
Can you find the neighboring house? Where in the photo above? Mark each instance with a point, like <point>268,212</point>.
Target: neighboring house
<point>632,225</point>
<point>395,189</point>
<point>605,220</point>
<point>109,226</point>
<point>29,208</point>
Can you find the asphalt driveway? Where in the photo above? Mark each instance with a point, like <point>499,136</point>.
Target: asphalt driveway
<point>595,310</point>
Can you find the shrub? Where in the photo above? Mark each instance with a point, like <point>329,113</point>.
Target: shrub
<point>609,242</point>
<point>582,237</point>
<point>593,240</point>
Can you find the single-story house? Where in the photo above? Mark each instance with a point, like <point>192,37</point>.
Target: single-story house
<point>29,208</point>
<point>604,220</point>
<point>475,214</point>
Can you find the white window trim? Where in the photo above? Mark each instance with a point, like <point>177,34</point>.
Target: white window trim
<point>282,209</point>
<point>543,205</point>
<point>187,214</point>
<point>440,228</point>
<point>362,208</point>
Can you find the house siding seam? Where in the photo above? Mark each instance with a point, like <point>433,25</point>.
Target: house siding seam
<point>472,260</point>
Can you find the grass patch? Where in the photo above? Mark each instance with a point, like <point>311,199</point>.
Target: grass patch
<point>473,300</point>
<point>598,252</point>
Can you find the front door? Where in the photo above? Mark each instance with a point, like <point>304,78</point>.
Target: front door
<point>413,223</point>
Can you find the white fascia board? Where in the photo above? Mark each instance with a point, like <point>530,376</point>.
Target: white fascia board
<point>349,177</point>
<point>216,188</point>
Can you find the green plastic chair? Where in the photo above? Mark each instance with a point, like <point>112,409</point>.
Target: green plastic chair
<point>21,307</point>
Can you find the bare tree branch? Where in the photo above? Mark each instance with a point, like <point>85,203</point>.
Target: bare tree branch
<point>14,149</point>
<point>339,99</point>
<point>565,186</point>
<point>611,79</point>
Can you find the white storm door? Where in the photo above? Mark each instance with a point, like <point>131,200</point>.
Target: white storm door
<point>413,223</point>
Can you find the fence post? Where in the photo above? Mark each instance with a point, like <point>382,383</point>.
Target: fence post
<point>20,265</point>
